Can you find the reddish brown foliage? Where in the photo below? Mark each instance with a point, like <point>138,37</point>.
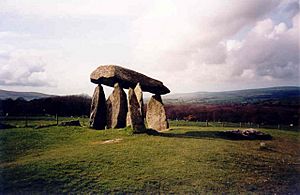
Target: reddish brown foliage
<point>268,114</point>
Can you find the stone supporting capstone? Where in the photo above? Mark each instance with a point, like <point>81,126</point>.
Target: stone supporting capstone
<point>139,95</point>
<point>116,105</point>
<point>156,114</point>
<point>134,117</point>
<point>98,109</point>
<point>128,119</point>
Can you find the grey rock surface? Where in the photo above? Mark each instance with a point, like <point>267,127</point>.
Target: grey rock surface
<point>116,105</point>
<point>98,109</point>
<point>156,114</point>
<point>111,74</point>
<point>247,134</point>
<point>139,95</point>
<point>135,118</point>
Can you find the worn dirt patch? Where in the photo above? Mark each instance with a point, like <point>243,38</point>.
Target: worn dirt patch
<point>110,141</point>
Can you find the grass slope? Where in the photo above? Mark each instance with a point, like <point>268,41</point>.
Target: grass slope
<point>187,159</point>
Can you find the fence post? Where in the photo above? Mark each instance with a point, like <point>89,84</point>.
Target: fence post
<point>56,117</point>
<point>206,123</point>
<point>240,124</point>
<point>26,121</point>
<point>278,127</point>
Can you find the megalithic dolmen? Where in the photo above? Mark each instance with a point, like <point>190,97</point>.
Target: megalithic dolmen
<point>122,78</point>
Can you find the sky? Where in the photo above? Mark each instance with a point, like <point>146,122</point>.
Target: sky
<point>52,46</point>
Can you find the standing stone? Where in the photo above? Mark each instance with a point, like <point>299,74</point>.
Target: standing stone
<point>139,95</point>
<point>135,118</point>
<point>98,109</point>
<point>116,108</point>
<point>128,120</point>
<point>156,114</point>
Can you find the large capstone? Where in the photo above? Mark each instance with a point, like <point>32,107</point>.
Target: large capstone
<point>156,114</point>
<point>139,96</point>
<point>135,120</point>
<point>98,109</point>
<point>111,74</point>
<point>116,108</point>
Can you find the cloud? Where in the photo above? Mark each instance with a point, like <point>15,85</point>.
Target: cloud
<point>270,51</point>
<point>215,43</point>
<point>12,35</point>
<point>190,45</point>
<point>24,68</point>
<point>73,8</point>
<point>176,32</point>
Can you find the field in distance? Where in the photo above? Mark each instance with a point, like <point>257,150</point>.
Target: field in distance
<point>186,159</point>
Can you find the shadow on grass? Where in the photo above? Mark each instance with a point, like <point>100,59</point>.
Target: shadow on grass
<point>198,135</point>
<point>194,134</point>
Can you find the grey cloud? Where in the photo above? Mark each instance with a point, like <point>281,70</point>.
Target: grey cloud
<point>267,54</point>
<point>203,56</point>
<point>291,9</point>
<point>22,68</point>
<point>4,56</point>
<point>203,43</point>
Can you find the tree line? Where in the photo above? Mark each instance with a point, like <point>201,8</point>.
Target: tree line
<point>74,105</point>
<point>252,113</point>
<point>79,105</point>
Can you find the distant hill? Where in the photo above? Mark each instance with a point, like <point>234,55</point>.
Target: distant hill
<point>26,95</point>
<point>289,95</point>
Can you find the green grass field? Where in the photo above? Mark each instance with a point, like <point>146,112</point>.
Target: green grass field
<point>186,159</point>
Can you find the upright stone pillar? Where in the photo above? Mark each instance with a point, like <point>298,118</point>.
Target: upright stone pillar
<point>139,95</point>
<point>98,109</point>
<point>116,108</point>
<point>135,119</point>
<point>128,120</point>
<point>156,114</point>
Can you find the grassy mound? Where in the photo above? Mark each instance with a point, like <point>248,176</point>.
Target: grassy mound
<point>186,159</point>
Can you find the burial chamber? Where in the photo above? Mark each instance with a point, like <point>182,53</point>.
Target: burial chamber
<point>118,108</point>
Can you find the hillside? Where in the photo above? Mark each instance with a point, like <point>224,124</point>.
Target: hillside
<point>283,94</point>
<point>248,96</point>
<point>26,95</point>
